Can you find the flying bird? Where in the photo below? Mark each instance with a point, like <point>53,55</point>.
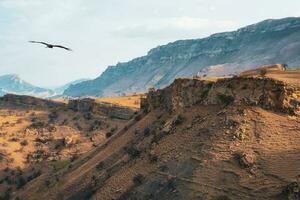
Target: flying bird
<point>51,46</point>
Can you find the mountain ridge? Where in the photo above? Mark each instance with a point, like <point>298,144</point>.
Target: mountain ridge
<point>232,52</point>
<point>60,90</point>
<point>12,83</point>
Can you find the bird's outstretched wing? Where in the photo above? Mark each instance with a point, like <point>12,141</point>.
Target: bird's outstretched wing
<point>39,42</point>
<point>59,46</point>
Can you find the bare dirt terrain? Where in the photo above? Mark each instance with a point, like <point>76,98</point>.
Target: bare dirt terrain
<point>230,138</point>
<point>36,138</point>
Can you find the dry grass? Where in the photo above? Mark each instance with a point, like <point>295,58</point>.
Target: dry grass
<point>127,101</point>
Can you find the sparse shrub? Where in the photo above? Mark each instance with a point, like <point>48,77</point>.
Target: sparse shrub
<point>171,183</point>
<point>60,164</point>
<point>37,124</point>
<point>13,139</point>
<point>8,180</point>
<point>59,144</point>
<point>163,168</point>
<point>47,183</point>
<point>52,116</point>
<point>24,143</point>
<point>100,165</point>
<point>133,152</point>
<point>263,72</point>
<point>88,116</point>
<point>138,117</point>
<point>21,182</point>
<point>157,137</point>
<point>6,195</point>
<point>229,85</point>
<point>147,131</point>
<point>291,191</point>
<point>76,118</point>
<point>243,160</point>
<point>97,122</point>
<point>94,178</point>
<point>223,197</point>
<point>108,134</point>
<point>153,158</point>
<point>179,120</point>
<point>78,126</point>
<point>65,122</point>
<point>92,128</point>
<point>51,128</point>
<point>70,166</point>
<point>225,99</point>
<point>42,140</point>
<point>114,129</point>
<point>74,157</point>
<point>159,116</point>
<point>138,179</point>
<point>245,86</point>
<point>34,175</point>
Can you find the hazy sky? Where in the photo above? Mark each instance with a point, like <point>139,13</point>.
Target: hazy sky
<point>105,32</point>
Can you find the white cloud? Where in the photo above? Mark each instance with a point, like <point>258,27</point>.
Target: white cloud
<point>180,27</point>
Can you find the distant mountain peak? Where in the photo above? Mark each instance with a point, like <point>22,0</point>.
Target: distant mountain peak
<point>12,83</point>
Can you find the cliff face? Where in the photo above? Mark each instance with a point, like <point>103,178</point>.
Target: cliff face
<point>266,93</point>
<point>268,42</point>
<point>21,101</point>
<point>234,138</point>
<point>110,110</point>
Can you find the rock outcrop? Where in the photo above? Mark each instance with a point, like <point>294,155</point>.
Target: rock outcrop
<point>197,139</point>
<point>11,100</point>
<point>111,110</point>
<point>264,92</point>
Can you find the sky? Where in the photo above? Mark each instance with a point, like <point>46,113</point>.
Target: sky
<point>105,32</point>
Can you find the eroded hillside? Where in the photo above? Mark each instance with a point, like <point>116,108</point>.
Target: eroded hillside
<point>39,136</point>
<point>235,138</point>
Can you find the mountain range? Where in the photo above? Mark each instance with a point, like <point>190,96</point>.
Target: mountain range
<point>267,42</point>
<point>60,90</point>
<point>13,84</point>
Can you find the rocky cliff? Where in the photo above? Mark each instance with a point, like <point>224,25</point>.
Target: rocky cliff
<point>235,138</point>
<point>110,110</point>
<point>264,92</point>
<point>22,101</point>
<point>268,42</point>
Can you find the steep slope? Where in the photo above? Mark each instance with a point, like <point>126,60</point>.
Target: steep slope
<point>268,42</point>
<point>60,90</point>
<point>196,139</point>
<point>14,84</point>
<point>38,136</point>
